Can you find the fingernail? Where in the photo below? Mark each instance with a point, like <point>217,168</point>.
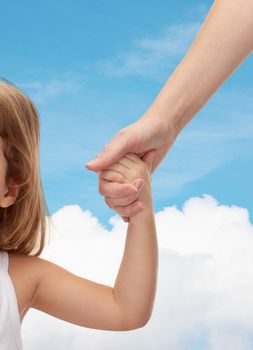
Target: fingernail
<point>141,205</point>
<point>94,160</point>
<point>89,163</point>
<point>138,184</point>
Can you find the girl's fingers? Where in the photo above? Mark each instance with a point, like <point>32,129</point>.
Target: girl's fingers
<point>115,189</point>
<point>121,168</point>
<point>129,210</point>
<point>133,157</point>
<point>126,162</point>
<point>127,200</point>
<point>111,175</point>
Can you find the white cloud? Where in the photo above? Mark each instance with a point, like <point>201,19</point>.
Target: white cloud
<point>153,56</point>
<point>205,282</point>
<point>42,91</point>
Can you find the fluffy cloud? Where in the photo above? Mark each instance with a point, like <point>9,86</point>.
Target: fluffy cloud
<point>42,91</point>
<point>151,57</point>
<point>205,284</point>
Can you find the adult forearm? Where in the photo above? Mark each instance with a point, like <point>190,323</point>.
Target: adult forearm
<point>223,42</point>
<point>135,286</point>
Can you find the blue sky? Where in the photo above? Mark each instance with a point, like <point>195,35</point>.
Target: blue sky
<point>94,67</point>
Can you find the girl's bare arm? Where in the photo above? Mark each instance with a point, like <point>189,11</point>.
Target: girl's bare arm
<point>127,305</point>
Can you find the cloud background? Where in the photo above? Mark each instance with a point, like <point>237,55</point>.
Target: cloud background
<point>205,285</point>
<point>93,68</point>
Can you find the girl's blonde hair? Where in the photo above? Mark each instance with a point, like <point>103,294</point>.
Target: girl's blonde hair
<point>23,224</point>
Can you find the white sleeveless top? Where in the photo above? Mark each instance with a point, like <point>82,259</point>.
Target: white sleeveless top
<point>10,325</point>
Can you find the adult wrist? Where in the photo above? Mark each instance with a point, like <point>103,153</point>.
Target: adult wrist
<point>170,116</point>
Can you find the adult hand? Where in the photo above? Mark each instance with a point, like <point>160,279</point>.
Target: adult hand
<point>143,137</point>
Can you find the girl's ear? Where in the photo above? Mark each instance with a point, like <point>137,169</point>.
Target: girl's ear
<point>10,196</point>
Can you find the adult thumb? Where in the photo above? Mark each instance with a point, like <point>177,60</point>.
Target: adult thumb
<point>113,152</point>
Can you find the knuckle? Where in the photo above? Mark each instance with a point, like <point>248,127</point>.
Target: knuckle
<point>108,145</point>
<point>121,132</point>
<point>118,135</point>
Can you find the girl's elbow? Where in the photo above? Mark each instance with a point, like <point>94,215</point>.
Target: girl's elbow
<point>140,324</point>
<point>135,323</point>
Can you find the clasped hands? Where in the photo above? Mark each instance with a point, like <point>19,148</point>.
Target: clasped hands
<point>149,138</point>
<point>131,169</point>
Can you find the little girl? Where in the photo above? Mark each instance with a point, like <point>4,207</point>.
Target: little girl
<point>27,281</point>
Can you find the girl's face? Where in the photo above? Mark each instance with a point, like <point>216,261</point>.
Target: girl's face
<point>9,194</point>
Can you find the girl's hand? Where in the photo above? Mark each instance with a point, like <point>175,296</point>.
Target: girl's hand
<point>125,171</point>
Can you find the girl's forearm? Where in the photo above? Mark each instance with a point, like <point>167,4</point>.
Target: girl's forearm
<point>224,41</point>
<point>135,286</point>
